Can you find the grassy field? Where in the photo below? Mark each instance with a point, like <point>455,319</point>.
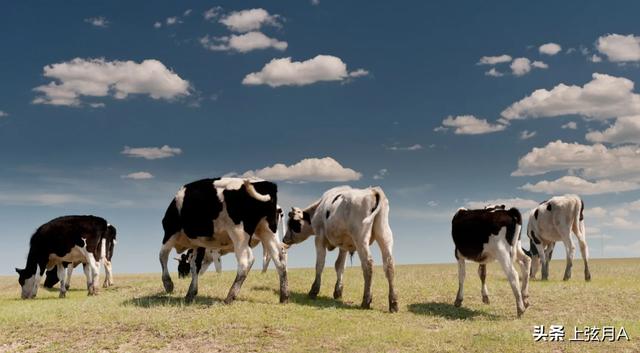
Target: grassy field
<point>136,315</point>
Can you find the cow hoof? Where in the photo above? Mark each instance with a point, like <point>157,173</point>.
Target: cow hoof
<point>313,294</point>
<point>485,299</point>
<point>168,286</point>
<point>366,304</point>
<point>284,299</point>
<point>62,295</point>
<point>393,307</point>
<point>587,277</point>
<point>190,297</point>
<point>229,300</point>
<point>457,303</point>
<point>337,294</point>
<point>520,312</point>
<point>566,278</point>
<point>66,286</point>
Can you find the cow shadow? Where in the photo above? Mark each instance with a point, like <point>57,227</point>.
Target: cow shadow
<point>162,299</point>
<point>321,301</point>
<point>448,311</point>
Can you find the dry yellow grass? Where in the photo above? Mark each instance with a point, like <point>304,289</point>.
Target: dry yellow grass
<point>136,316</point>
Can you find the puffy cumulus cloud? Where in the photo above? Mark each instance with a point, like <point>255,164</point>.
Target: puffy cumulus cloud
<point>97,21</point>
<point>308,169</point>
<point>625,130</point>
<point>494,73</point>
<point>572,125</point>
<point>493,60</point>
<point>242,43</point>
<point>539,65</point>
<point>521,66</point>
<point>284,72</point>
<point>138,176</point>
<point>595,58</point>
<point>151,152</point>
<point>604,97</point>
<point>469,125</point>
<point>526,134</point>
<point>101,78</point>
<point>577,185</point>
<point>517,202</point>
<point>550,48</point>
<point>212,13</point>
<point>157,24</point>
<point>381,174</point>
<point>249,20</point>
<point>590,161</point>
<point>619,48</point>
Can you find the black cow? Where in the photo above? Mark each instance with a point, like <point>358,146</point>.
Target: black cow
<point>108,244</point>
<point>64,239</point>
<point>486,235</point>
<point>224,214</point>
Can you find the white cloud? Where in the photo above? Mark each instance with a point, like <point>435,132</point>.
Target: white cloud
<point>595,212</point>
<point>413,147</point>
<point>604,97</point>
<point>521,66</point>
<point>517,202</point>
<point>577,185</point>
<point>632,249</point>
<point>3,113</point>
<point>539,65</point>
<point>590,161</point>
<point>187,12</point>
<point>308,169</point>
<point>138,176</point>
<point>570,125</point>
<point>249,20</point>
<point>151,152</point>
<point>550,49</point>
<point>284,72</point>
<point>101,78</point>
<point>493,60</point>
<point>170,21</point>
<point>625,130</point>
<point>595,58</point>
<point>619,48</point>
<point>526,134</point>
<point>494,73</point>
<point>470,125</point>
<point>242,43</point>
<point>41,199</point>
<point>381,174</point>
<point>359,73</point>
<point>157,24</point>
<point>212,13</point>
<point>97,21</point>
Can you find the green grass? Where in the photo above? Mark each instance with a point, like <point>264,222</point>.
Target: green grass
<point>136,316</point>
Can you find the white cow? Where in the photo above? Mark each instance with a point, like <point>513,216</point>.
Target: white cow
<point>553,221</point>
<point>351,220</point>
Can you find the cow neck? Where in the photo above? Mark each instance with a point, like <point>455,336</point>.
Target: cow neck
<point>311,210</point>
<point>32,262</point>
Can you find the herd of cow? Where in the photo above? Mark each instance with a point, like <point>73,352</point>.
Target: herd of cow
<point>212,217</point>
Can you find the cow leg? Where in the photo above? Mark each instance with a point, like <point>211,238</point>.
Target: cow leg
<point>584,250</point>
<point>216,261</point>
<point>87,273</point>
<point>340,263</point>
<point>244,257</point>
<point>461,274</point>
<point>266,258</point>
<point>94,272</point>
<point>164,258</point>
<point>482,273</point>
<point>108,278</point>
<point>321,253</point>
<point>70,268</point>
<point>389,272</point>
<point>506,261</point>
<point>206,261</point>
<point>571,250</point>
<point>193,287</point>
<point>525,268</point>
<point>535,266</point>
<point>544,262</point>
<point>364,252</point>
<point>277,253</point>
<point>63,280</point>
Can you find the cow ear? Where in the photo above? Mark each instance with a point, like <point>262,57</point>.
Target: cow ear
<point>19,271</point>
<point>306,216</point>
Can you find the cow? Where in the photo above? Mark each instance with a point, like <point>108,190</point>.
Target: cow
<point>535,257</point>
<point>63,239</point>
<point>484,235</point>
<point>553,221</point>
<point>204,257</point>
<point>223,214</point>
<point>105,249</point>
<point>350,220</point>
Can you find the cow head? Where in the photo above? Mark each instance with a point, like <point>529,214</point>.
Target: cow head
<point>298,227</point>
<point>29,282</point>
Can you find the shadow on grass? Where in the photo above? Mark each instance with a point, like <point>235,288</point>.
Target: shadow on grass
<point>448,311</point>
<point>162,299</point>
<point>261,288</point>
<point>321,301</point>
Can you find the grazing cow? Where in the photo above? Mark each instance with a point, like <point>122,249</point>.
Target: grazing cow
<point>351,220</point>
<point>64,239</point>
<point>486,235</point>
<point>224,214</point>
<point>105,249</point>
<point>204,257</point>
<point>535,257</point>
<point>553,221</point>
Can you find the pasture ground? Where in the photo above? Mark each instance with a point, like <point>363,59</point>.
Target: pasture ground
<point>136,316</point>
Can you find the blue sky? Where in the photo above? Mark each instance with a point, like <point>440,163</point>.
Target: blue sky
<point>394,94</point>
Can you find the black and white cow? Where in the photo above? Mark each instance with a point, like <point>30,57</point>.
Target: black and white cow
<point>105,249</point>
<point>224,214</point>
<point>491,234</point>
<point>64,239</point>
<point>351,220</point>
<point>554,220</point>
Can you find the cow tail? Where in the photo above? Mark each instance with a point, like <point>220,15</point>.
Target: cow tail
<point>253,193</point>
<point>380,196</point>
